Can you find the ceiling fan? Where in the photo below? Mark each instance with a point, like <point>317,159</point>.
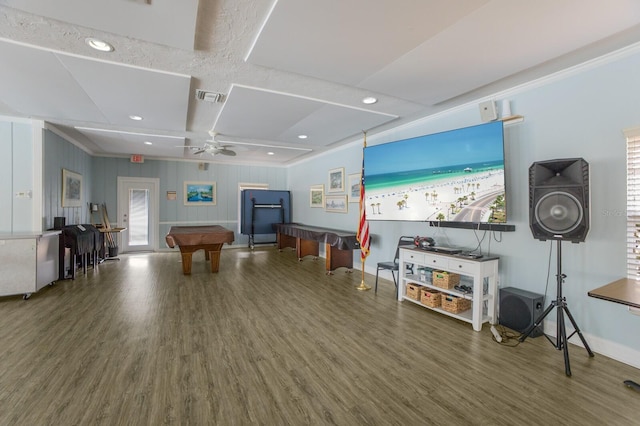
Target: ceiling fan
<point>212,147</point>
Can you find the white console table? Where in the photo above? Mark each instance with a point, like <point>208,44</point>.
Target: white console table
<point>480,274</point>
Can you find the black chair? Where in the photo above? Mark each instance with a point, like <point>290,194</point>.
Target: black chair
<point>394,266</point>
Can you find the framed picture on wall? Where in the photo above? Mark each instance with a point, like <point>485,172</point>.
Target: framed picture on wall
<point>316,196</point>
<point>336,180</point>
<point>71,189</point>
<point>335,203</point>
<point>353,188</point>
<point>199,193</point>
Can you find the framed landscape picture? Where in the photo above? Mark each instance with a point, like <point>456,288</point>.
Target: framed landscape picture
<point>71,189</point>
<point>199,193</point>
<point>335,203</point>
<point>353,188</point>
<point>316,196</point>
<point>336,180</point>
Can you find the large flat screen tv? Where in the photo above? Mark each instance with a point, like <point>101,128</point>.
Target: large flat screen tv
<point>453,176</point>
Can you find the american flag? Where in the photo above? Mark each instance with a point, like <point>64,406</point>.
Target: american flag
<point>363,228</point>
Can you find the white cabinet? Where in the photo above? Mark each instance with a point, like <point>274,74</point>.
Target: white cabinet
<point>481,275</point>
<point>28,262</point>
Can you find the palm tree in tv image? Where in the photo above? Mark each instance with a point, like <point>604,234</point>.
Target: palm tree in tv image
<point>498,211</point>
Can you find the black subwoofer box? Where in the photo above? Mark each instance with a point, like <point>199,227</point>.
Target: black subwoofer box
<point>519,309</point>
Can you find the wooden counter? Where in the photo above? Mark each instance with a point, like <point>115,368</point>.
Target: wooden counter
<point>625,291</point>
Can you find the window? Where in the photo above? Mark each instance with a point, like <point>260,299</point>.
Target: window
<point>633,203</point>
<point>138,217</point>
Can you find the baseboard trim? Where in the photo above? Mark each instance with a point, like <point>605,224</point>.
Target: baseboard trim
<point>599,345</point>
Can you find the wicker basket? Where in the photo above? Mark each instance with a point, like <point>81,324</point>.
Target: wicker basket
<point>444,279</point>
<point>430,297</point>
<point>413,291</point>
<point>455,304</point>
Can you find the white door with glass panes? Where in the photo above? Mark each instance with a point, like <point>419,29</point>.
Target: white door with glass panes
<point>138,213</point>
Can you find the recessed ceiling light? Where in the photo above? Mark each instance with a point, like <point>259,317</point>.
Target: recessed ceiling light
<point>148,143</point>
<point>135,117</point>
<point>271,153</point>
<point>302,136</point>
<point>97,44</point>
<point>369,100</point>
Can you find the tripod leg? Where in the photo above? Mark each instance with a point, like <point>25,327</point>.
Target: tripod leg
<point>537,322</point>
<point>577,330</point>
<point>562,342</point>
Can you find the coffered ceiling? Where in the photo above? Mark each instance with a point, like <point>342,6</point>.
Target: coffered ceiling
<point>274,70</point>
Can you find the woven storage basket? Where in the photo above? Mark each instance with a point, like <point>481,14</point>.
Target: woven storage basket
<point>413,291</point>
<point>445,280</point>
<point>455,304</point>
<point>430,297</point>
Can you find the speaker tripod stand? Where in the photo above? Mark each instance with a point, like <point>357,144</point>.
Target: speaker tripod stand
<point>560,304</point>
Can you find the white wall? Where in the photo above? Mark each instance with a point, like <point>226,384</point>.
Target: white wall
<point>580,113</point>
<point>20,175</point>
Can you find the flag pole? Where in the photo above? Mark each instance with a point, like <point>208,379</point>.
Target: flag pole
<point>363,227</point>
<point>362,285</point>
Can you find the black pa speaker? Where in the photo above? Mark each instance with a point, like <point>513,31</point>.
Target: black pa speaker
<point>559,199</point>
<point>519,309</point>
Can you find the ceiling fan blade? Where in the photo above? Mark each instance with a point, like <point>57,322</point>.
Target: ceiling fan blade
<point>227,152</point>
<point>195,150</point>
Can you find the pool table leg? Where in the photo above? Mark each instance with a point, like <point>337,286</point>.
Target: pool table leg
<point>186,262</point>
<point>213,253</point>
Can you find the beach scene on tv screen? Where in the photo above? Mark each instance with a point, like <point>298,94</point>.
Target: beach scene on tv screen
<point>451,176</point>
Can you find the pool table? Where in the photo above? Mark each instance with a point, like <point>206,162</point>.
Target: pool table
<point>193,238</point>
<point>339,245</point>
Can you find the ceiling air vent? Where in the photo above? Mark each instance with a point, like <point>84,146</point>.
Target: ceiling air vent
<point>203,95</point>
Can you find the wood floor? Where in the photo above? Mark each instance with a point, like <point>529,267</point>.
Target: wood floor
<point>272,341</point>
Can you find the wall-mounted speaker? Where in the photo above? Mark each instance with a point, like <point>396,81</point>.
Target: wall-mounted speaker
<point>488,111</point>
<point>559,199</point>
<point>519,309</point>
